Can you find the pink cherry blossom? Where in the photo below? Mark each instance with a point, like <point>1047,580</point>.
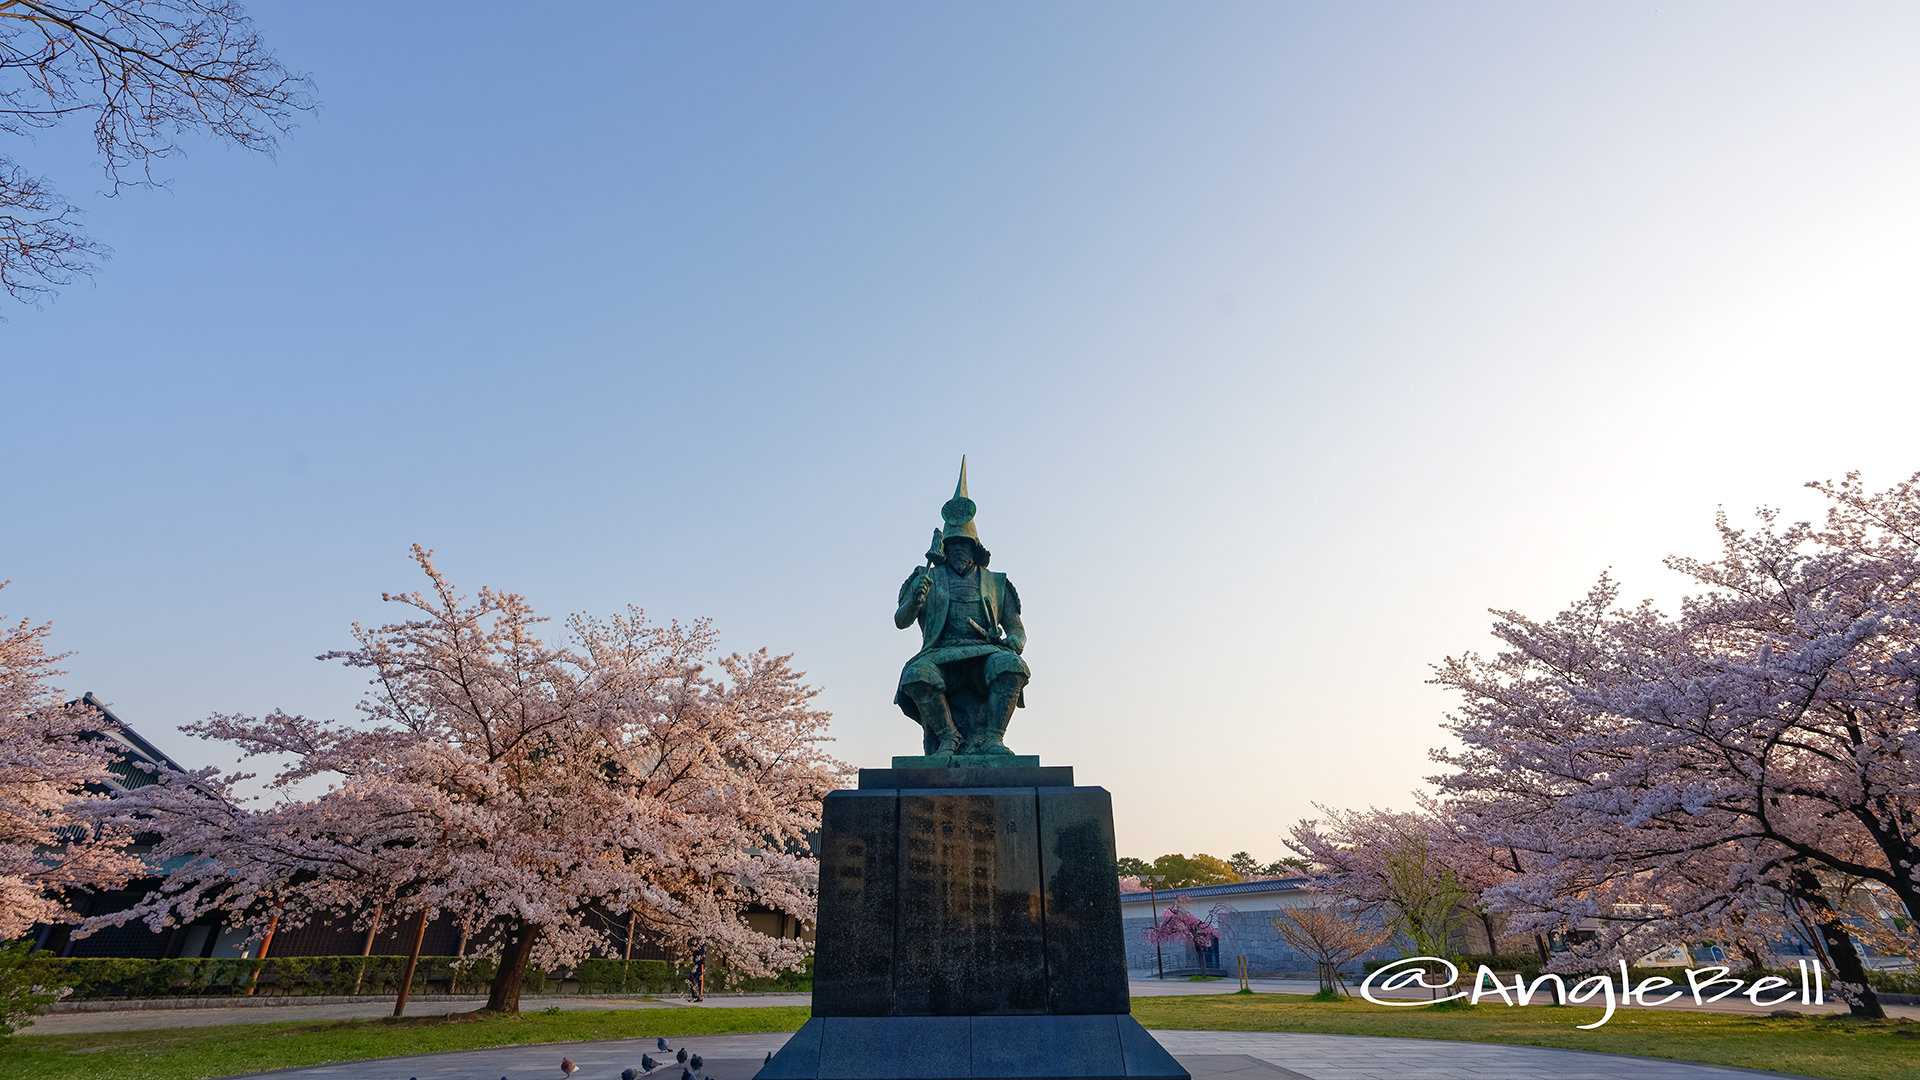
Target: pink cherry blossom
<point>520,784</point>
<point>1680,776</point>
<point>53,768</point>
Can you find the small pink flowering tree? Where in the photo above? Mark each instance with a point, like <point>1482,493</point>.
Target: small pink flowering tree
<point>1178,925</point>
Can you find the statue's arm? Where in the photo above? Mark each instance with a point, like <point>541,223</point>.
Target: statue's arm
<point>1016,633</point>
<point>913,597</point>
<point>1010,621</point>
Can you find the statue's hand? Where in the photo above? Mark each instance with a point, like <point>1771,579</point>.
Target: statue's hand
<point>921,590</point>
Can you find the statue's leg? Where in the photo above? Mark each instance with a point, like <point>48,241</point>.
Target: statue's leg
<point>967,694</point>
<point>1000,705</point>
<point>970,719</point>
<point>936,719</point>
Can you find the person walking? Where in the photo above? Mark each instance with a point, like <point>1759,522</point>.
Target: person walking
<point>697,975</point>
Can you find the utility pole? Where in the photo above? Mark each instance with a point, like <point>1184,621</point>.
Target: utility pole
<point>1153,900</point>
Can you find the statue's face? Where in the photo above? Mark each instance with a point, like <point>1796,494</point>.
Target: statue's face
<point>959,555</point>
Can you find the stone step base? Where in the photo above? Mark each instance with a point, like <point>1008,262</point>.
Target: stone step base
<point>1101,1047</point>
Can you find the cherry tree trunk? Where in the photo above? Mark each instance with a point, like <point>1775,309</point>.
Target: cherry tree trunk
<point>1848,968</point>
<point>1832,929</point>
<point>504,995</point>
<point>1486,927</point>
<point>413,964</point>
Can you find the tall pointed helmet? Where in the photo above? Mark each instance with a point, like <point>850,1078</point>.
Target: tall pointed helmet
<point>957,516</point>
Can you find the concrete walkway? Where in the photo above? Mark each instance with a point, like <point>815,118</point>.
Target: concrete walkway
<point>1208,1055</point>
<point>366,1009</point>
<point>261,1012</point>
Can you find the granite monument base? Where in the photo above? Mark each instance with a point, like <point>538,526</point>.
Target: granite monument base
<point>968,929</point>
<point>1098,1047</point>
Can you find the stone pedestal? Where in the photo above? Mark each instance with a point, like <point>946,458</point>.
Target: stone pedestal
<point>969,761</point>
<point>969,929</point>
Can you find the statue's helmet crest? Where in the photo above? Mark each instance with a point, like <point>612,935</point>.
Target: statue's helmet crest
<point>957,514</point>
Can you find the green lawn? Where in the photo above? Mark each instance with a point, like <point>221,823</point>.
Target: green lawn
<point>1840,1048</point>
<point>197,1053</point>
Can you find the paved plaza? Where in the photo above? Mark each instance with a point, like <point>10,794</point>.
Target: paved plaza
<point>262,1011</point>
<point>1208,1055</point>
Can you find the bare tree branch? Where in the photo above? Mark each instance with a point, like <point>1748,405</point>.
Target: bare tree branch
<point>148,72</point>
<point>41,244</point>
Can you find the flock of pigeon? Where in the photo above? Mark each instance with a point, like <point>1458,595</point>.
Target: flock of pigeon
<point>691,1067</point>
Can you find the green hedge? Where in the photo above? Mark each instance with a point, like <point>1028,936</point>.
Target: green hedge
<point>626,977</point>
<point>97,979</point>
<point>660,977</point>
<point>1894,982</point>
<point>94,979</point>
<point>796,981</point>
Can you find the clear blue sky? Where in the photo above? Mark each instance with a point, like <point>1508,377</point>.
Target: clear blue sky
<point>1283,339</point>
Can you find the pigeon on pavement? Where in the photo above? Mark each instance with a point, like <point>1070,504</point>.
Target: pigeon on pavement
<point>681,1057</point>
<point>628,1074</point>
<point>661,1043</point>
<point>647,1063</point>
<point>567,1067</point>
<point>697,1063</point>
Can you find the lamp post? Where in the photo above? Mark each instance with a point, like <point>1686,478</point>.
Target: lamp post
<point>1153,900</point>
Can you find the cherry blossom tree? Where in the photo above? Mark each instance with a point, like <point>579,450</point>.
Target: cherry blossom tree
<point>1182,926</point>
<point>521,783</point>
<point>1864,908</point>
<point>1402,866</point>
<point>1686,770</point>
<point>355,853</point>
<point>52,767</point>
